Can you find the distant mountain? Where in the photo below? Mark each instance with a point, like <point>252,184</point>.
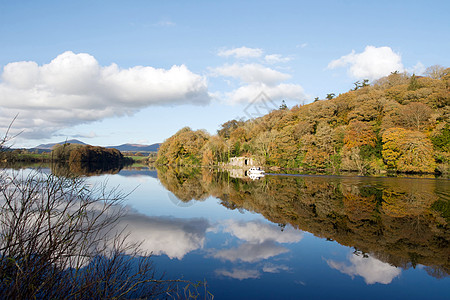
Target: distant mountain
<point>50,146</point>
<point>124,147</point>
<point>137,147</point>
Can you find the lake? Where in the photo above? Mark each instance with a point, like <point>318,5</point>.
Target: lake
<point>293,237</point>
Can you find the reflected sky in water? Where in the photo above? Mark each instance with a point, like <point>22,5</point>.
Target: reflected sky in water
<point>243,255</point>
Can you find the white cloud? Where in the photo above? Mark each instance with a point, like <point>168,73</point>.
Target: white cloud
<point>242,52</point>
<point>276,58</point>
<point>281,91</point>
<point>74,89</point>
<point>251,79</point>
<point>371,269</point>
<point>372,63</point>
<point>251,73</point>
<point>165,23</point>
<point>90,135</point>
<point>239,274</point>
<point>418,69</point>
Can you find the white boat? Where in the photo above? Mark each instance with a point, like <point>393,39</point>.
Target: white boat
<point>255,173</point>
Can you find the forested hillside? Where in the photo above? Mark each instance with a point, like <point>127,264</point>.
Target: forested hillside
<point>398,123</point>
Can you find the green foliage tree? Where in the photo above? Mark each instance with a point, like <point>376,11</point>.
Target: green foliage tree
<point>330,96</point>
<point>413,83</point>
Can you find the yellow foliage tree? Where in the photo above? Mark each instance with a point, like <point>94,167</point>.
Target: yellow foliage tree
<point>408,151</point>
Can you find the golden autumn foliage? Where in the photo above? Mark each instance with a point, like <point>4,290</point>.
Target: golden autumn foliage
<point>73,153</point>
<point>183,148</point>
<point>359,134</point>
<point>355,131</point>
<point>408,151</point>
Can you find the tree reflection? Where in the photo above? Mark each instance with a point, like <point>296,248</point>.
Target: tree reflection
<point>83,168</point>
<point>399,221</point>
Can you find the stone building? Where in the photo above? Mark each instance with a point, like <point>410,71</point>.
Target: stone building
<point>242,162</point>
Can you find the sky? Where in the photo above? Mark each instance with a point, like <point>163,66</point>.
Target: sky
<point>115,72</point>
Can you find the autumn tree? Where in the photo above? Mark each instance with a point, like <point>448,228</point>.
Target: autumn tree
<point>415,115</point>
<point>228,127</point>
<point>61,152</point>
<point>436,71</point>
<point>214,150</point>
<point>408,151</point>
<point>184,147</point>
<point>359,134</point>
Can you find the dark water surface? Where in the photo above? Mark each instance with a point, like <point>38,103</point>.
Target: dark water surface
<point>293,237</point>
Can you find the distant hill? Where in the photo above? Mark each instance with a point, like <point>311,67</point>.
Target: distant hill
<point>137,147</point>
<point>50,146</point>
<point>124,147</point>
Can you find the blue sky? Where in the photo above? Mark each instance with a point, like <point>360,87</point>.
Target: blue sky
<point>115,72</point>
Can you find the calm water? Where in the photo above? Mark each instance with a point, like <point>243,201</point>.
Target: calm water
<point>294,237</point>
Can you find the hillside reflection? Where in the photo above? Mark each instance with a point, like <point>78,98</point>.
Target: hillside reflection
<point>84,168</point>
<point>402,222</point>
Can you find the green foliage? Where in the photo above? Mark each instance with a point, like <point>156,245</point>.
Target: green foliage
<point>330,96</point>
<point>443,206</point>
<point>283,105</point>
<point>413,83</point>
<point>360,84</point>
<point>442,140</point>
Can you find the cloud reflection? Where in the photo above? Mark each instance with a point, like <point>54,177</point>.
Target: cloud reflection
<point>165,235</point>
<point>261,241</point>
<point>259,232</point>
<point>249,252</point>
<point>371,269</point>
<point>240,274</point>
<point>271,268</point>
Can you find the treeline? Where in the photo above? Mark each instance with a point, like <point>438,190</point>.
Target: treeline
<point>85,153</point>
<point>93,156</point>
<point>23,155</point>
<point>398,123</point>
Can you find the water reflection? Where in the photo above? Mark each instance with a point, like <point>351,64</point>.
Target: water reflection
<point>370,268</point>
<point>394,222</point>
<point>259,241</point>
<point>84,168</point>
<point>239,274</point>
<point>165,235</point>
